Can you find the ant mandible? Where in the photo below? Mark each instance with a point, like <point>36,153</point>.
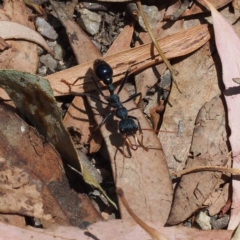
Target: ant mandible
<point>127,125</point>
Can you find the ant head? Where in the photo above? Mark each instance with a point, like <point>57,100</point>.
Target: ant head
<point>103,71</point>
<point>127,127</point>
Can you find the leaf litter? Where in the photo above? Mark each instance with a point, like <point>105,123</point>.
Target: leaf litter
<point>229,60</point>
<point>209,89</point>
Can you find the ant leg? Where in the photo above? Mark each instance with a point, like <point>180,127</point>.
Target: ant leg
<point>124,80</point>
<point>98,87</point>
<point>103,122</point>
<point>141,133</point>
<point>88,95</point>
<point>82,94</point>
<point>125,143</point>
<point>140,142</point>
<point>139,125</point>
<point>130,145</point>
<point>133,97</point>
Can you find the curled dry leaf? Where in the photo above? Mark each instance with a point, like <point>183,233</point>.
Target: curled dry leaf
<point>13,30</point>
<point>228,46</point>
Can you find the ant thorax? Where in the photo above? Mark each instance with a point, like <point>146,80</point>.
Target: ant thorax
<point>114,101</point>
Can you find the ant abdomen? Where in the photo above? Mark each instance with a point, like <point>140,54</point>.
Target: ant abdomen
<point>103,71</point>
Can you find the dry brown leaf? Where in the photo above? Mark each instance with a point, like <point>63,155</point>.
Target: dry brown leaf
<point>151,231</point>
<point>217,200</point>
<point>80,117</point>
<point>226,36</point>
<point>21,193</point>
<point>122,42</point>
<point>209,147</point>
<point>30,161</point>
<point>114,229</point>
<point>199,83</point>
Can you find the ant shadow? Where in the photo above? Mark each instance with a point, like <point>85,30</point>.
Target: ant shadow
<point>99,109</point>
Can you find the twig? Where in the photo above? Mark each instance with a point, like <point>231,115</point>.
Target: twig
<point>151,231</point>
<point>173,71</point>
<point>207,168</point>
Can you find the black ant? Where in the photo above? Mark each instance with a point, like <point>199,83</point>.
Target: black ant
<point>127,125</point>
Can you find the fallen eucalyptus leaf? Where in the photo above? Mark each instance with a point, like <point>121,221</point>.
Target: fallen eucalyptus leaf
<point>13,30</point>
<point>228,47</point>
<point>33,96</point>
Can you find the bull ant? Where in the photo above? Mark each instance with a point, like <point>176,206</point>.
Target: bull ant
<point>127,126</point>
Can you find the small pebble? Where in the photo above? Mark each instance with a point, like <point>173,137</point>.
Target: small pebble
<point>152,14</point>
<point>58,52</point>
<point>220,223</point>
<point>40,50</point>
<point>90,21</point>
<point>203,220</point>
<point>95,193</point>
<point>45,29</point>
<point>42,71</point>
<point>49,62</point>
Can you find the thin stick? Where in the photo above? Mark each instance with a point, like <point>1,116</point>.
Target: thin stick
<point>207,168</point>
<point>151,231</point>
<point>173,71</point>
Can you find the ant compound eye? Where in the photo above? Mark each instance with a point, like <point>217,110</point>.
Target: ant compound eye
<point>103,71</point>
